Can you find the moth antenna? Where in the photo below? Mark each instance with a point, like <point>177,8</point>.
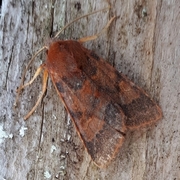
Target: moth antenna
<point>80,18</point>
<point>45,47</point>
<point>90,38</point>
<point>24,74</point>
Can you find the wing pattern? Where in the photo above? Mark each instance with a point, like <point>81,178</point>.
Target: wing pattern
<point>101,102</point>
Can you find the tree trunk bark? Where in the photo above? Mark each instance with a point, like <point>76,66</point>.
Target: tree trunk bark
<point>142,43</point>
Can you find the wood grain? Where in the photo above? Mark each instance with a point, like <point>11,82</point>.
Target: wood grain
<point>143,43</point>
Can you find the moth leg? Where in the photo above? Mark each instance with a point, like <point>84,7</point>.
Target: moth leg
<point>27,84</point>
<point>44,86</point>
<point>24,73</point>
<point>38,71</point>
<point>90,38</point>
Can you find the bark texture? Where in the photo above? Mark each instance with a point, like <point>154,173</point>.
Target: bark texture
<point>142,43</point>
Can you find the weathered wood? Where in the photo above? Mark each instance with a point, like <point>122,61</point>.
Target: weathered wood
<point>143,43</point>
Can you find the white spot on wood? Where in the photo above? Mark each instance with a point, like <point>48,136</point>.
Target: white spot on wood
<point>53,148</point>
<point>54,117</point>
<point>62,140</point>
<point>22,131</point>
<point>62,156</point>
<point>68,137</point>
<point>144,12</point>
<point>68,120</point>
<point>64,135</point>
<point>62,167</point>
<point>57,176</point>
<point>4,134</point>
<point>10,136</point>
<point>47,174</point>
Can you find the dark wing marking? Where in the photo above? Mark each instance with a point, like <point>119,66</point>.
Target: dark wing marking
<point>99,122</point>
<point>139,108</point>
<point>101,101</point>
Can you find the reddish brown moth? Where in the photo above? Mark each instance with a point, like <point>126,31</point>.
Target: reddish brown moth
<point>103,103</point>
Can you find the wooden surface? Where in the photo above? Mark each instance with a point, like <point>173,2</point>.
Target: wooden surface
<point>143,43</point>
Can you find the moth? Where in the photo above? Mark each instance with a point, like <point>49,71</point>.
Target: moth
<point>102,103</point>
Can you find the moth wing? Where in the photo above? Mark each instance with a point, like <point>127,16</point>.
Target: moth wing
<point>99,122</point>
<point>101,101</point>
<point>137,106</point>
